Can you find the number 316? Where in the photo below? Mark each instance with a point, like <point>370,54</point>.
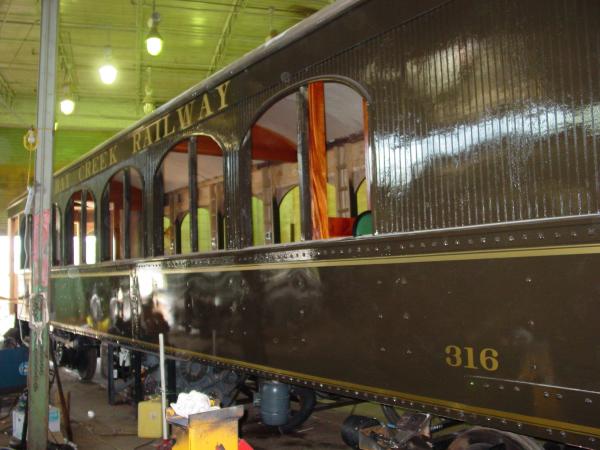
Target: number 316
<point>465,357</point>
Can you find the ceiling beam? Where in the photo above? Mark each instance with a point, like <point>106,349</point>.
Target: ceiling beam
<point>7,99</point>
<point>5,15</point>
<point>7,94</point>
<point>217,59</point>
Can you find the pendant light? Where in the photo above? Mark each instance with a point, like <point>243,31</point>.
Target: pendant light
<point>108,72</point>
<point>154,41</point>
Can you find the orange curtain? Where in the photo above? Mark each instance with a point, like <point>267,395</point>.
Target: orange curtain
<point>318,159</point>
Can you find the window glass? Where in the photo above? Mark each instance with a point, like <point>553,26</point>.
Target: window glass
<point>209,173</point>
<point>336,130</point>
<point>275,174</point>
<point>80,226</point>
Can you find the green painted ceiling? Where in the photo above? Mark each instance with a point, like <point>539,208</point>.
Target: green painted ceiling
<point>200,37</point>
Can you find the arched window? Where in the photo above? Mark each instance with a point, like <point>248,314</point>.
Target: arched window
<point>80,229</point>
<point>275,174</point>
<point>309,147</point>
<point>191,190</point>
<point>122,218</point>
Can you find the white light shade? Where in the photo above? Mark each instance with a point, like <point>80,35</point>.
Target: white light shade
<point>108,73</point>
<point>67,106</point>
<point>154,45</point>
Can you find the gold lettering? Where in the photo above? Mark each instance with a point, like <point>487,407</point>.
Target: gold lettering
<point>166,127</point>
<point>147,137</point>
<point>95,164</point>
<point>80,173</point>
<point>111,156</point>
<point>156,125</point>
<point>103,161</point>
<point>185,116</point>
<point>88,169</point>
<point>222,90</point>
<point>205,109</point>
<point>137,146</point>
<point>488,358</point>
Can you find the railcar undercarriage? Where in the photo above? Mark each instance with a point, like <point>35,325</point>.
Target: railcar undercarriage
<point>132,374</point>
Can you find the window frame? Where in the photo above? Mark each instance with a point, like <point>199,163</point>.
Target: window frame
<point>68,233</point>
<point>301,88</point>
<point>105,228</point>
<point>192,190</point>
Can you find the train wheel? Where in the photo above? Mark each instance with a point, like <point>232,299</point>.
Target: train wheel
<point>305,399</point>
<point>479,438</point>
<point>87,359</point>
<point>352,426</point>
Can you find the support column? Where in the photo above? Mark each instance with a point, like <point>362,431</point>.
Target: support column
<point>126,233</point>
<point>39,302</point>
<point>304,166</point>
<point>318,160</point>
<point>12,277</point>
<point>157,208</point>
<point>83,227</point>
<point>193,191</point>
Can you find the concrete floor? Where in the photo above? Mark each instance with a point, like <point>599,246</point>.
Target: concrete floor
<point>115,427</point>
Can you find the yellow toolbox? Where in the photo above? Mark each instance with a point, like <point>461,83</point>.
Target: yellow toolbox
<point>209,430</point>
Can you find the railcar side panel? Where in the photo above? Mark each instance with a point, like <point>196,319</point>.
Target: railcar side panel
<point>491,323</point>
<point>95,301</point>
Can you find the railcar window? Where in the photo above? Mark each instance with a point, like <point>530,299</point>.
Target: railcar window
<point>275,174</point>
<point>122,203</point>
<point>193,204</point>
<point>332,158</point>
<point>80,229</point>
<point>56,237</point>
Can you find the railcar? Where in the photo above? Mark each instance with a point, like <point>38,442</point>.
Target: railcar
<point>394,201</point>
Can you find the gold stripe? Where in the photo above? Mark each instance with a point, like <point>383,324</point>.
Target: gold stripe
<point>117,273</point>
<point>488,412</point>
<point>473,255</point>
